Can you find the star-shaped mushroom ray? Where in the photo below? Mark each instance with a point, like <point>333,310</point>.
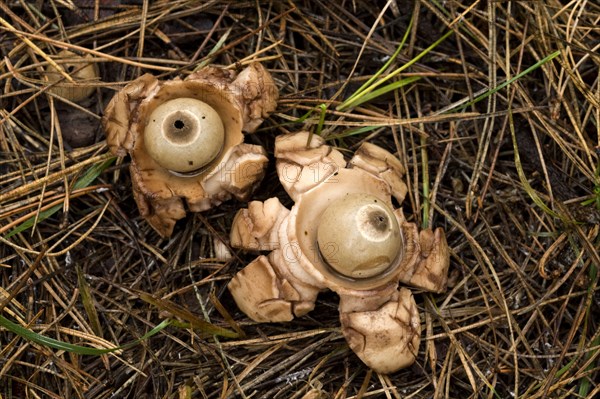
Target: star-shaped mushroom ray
<point>386,338</point>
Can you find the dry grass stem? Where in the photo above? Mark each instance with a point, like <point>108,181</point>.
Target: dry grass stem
<point>498,127</point>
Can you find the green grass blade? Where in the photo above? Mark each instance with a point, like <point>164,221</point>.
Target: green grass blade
<point>90,175</point>
<point>31,221</point>
<point>216,48</point>
<point>192,320</point>
<point>526,186</point>
<point>301,118</point>
<point>384,68</point>
<point>352,132</point>
<point>88,302</point>
<point>66,346</point>
<point>425,177</point>
<point>415,59</point>
<point>488,93</point>
<point>586,384</point>
<point>323,108</point>
<point>384,90</point>
<point>356,99</point>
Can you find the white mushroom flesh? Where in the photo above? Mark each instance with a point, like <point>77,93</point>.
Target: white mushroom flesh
<point>358,236</point>
<point>184,135</point>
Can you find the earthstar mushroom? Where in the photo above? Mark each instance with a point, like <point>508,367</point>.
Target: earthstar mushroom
<point>81,69</point>
<point>344,234</point>
<point>185,138</point>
